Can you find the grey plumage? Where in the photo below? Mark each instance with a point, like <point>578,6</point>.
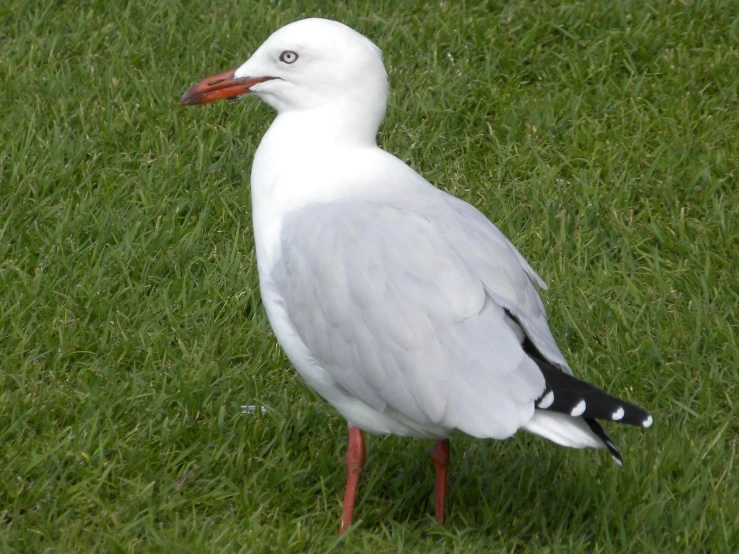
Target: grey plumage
<point>406,309</point>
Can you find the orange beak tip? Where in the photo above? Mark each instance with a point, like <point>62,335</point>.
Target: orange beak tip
<point>221,86</point>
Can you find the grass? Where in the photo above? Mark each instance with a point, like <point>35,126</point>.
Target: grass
<point>601,136</point>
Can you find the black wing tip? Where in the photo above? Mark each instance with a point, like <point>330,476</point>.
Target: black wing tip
<point>603,436</point>
<point>592,403</point>
<point>569,395</point>
<point>629,414</point>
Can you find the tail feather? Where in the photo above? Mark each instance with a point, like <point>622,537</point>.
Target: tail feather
<point>573,432</point>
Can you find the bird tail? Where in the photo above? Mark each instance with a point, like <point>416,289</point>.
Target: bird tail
<point>573,432</point>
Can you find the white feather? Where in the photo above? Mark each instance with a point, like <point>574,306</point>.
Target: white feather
<point>563,429</point>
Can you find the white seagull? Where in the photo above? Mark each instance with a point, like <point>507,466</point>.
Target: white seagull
<point>402,306</point>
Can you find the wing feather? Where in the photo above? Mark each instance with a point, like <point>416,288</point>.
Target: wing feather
<point>407,311</point>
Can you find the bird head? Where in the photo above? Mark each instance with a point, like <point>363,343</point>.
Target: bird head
<point>306,65</point>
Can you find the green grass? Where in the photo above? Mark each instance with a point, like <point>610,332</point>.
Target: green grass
<point>601,136</point>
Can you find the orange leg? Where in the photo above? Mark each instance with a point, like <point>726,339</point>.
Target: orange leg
<point>354,463</point>
<point>440,456</point>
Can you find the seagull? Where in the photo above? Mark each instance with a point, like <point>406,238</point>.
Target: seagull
<point>404,307</point>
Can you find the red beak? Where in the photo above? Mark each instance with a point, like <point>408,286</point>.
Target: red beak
<point>223,85</point>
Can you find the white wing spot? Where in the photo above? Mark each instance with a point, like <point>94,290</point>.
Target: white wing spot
<point>579,409</point>
<point>546,400</point>
<point>618,414</point>
<point>648,422</point>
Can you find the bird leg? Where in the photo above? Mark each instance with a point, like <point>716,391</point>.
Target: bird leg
<point>354,463</point>
<point>440,456</point>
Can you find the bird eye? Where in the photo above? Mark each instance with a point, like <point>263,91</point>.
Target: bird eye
<point>288,56</point>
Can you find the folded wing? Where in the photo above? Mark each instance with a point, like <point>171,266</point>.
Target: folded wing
<point>411,311</point>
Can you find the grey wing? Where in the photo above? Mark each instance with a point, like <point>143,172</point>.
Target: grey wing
<point>400,320</point>
<point>506,275</point>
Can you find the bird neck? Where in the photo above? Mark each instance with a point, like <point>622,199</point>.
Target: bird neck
<point>334,125</point>
<point>306,158</point>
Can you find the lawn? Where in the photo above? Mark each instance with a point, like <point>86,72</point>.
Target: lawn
<point>601,136</point>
